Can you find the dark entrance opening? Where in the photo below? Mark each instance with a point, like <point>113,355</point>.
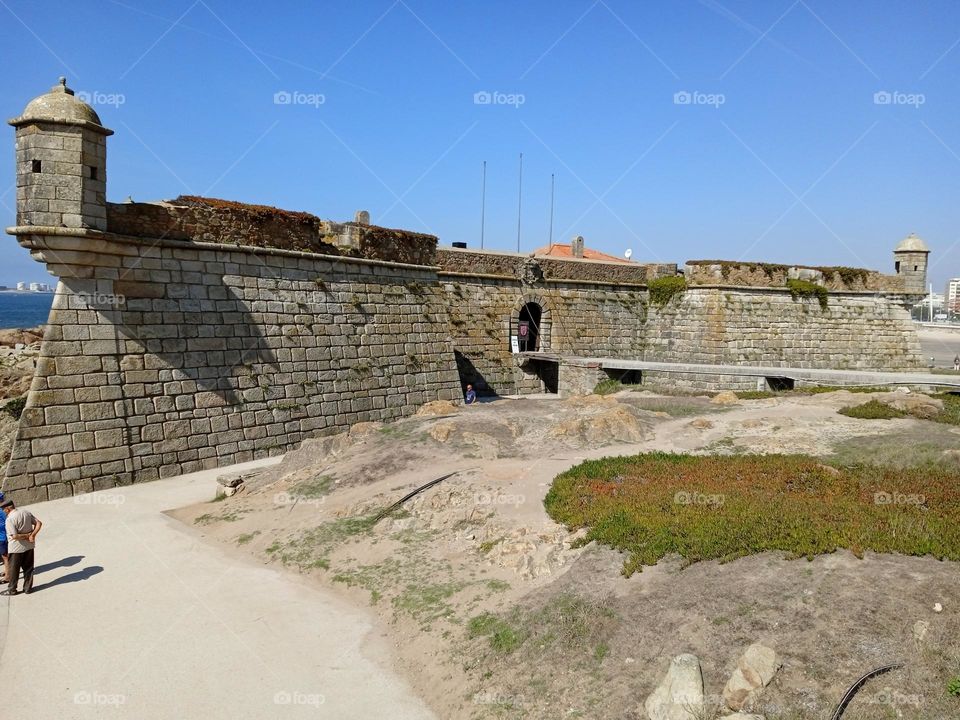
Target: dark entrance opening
<point>779,384</point>
<point>549,374</point>
<point>625,377</point>
<point>528,327</point>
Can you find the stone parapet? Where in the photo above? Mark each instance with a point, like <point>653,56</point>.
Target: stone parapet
<point>223,221</point>
<point>750,274</point>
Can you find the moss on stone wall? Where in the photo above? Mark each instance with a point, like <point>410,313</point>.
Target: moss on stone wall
<point>662,290</point>
<point>804,289</point>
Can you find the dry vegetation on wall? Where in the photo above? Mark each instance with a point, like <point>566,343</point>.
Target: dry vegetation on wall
<point>848,275</point>
<point>262,213</point>
<point>711,507</point>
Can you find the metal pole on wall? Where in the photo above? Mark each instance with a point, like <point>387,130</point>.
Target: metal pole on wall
<point>483,202</point>
<point>519,201</point>
<point>550,240</point>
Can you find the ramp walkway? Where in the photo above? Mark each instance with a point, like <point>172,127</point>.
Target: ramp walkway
<point>817,376</point>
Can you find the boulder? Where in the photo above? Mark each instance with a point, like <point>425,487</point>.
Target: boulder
<point>679,696</point>
<point>610,424</point>
<point>361,429</point>
<point>442,431</point>
<point>727,397</point>
<point>742,716</point>
<point>437,408</point>
<point>701,424</point>
<point>916,404</point>
<point>755,670</point>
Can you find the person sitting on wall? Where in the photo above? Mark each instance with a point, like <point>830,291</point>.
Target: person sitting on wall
<point>471,396</point>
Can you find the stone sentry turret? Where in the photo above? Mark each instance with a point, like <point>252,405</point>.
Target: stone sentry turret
<point>61,162</point>
<point>910,262</point>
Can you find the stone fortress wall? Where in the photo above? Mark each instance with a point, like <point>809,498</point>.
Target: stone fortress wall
<point>196,332</point>
<point>179,356</point>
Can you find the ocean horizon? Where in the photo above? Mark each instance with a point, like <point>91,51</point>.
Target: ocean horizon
<point>21,310</point>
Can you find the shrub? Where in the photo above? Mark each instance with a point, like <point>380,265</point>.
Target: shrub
<point>806,289</point>
<point>724,507</point>
<point>608,387</point>
<point>663,289</point>
<point>15,407</point>
<point>872,410</point>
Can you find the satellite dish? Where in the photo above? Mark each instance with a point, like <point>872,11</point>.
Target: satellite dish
<point>628,253</point>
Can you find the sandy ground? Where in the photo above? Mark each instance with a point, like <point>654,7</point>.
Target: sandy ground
<point>596,643</point>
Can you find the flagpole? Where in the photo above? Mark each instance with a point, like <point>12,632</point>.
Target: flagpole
<point>550,242</point>
<point>483,203</point>
<point>519,201</point>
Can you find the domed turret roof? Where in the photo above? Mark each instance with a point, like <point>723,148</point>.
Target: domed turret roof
<point>60,105</point>
<point>912,243</point>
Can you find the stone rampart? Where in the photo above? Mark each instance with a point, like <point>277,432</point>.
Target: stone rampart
<point>750,274</point>
<point>577,318</point>
<point>224,221</point>
<point>770,327</point>
<point>176,356</point>
<point>536,268</point>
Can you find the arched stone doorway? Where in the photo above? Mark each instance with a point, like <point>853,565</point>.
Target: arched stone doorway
<point>528,327</point>
<point>531,323</point>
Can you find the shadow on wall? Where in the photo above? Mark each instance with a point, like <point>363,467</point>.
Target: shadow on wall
<point>469,375</point>
<point>209,340</point>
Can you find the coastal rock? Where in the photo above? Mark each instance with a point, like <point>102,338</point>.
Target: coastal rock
<point>680,694</point>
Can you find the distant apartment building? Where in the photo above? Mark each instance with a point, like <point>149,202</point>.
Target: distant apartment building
<point>952,296</point>
<point>21,286</point>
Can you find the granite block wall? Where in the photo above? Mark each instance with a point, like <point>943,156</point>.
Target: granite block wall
<point>176,357</point>
<point>768,327</point>
<point>578,319</point>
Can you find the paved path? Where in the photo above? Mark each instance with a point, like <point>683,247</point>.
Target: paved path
<point>813,375</point>
<point>134,615</point>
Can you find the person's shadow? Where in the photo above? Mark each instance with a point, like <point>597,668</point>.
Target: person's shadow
<point>64,562</point>
<point>87,572</point>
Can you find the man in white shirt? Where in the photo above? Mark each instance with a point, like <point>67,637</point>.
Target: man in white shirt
<point>22,528</point>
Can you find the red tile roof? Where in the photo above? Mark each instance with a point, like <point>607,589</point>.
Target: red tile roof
<point>559,250</point>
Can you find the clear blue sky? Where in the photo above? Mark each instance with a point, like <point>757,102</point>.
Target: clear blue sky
<point>798,164</point>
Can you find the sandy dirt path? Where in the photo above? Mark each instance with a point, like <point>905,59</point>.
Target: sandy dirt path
<point>133,615</point>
